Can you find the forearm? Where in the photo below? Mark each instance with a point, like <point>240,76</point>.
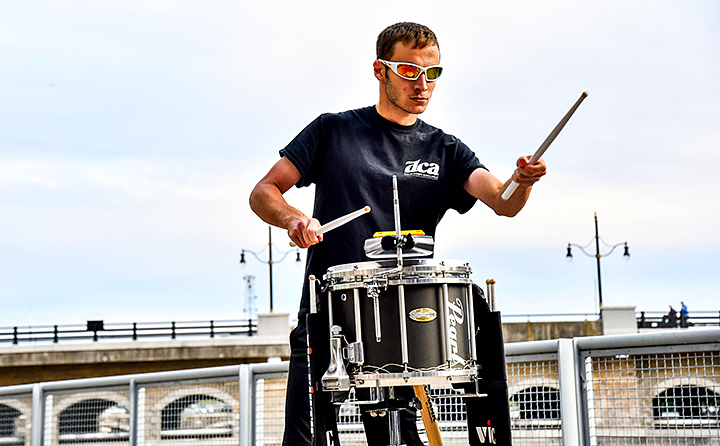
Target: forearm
<point>487,188</point>
<point>267,201</point>
<point>513,205</point>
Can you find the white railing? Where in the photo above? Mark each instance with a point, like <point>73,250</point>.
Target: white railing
<point>653,388</point>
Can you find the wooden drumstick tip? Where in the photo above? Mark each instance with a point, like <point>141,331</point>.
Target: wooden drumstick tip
<point>366,209</point>
<point>312,277</point>
<point>584,94</point>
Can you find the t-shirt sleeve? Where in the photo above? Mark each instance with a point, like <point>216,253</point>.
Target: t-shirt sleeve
<point>303,150</point>
<point>464,163</point>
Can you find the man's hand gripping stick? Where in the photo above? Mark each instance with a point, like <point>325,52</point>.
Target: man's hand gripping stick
<point>339,222</point>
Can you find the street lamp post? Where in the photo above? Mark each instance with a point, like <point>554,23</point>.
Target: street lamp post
<point>598,256</point>
<point>270,261</point>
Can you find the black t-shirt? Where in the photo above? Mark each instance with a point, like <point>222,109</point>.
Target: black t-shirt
<point>351,158</point>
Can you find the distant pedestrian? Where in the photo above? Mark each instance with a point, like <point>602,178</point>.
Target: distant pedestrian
<point>671,319</point>
<point>683,315</point>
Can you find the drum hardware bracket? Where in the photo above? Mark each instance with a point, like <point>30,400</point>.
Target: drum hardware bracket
<point>325,285</point>
<point>355,353</point>
<point>336,376</point>
<point>390,242</point>
<point>373,291</point>
<point>391,404</point>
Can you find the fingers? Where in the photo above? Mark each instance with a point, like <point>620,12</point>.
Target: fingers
<point>303,232</point>
<point>528,174</point>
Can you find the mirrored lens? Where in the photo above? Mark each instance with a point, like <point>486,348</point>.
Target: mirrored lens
<point>408,71</point>
<point>433,73</point>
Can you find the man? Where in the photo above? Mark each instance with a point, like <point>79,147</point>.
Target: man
<point>671,318</point>
<point>684,315</point>
<point>351,158</point>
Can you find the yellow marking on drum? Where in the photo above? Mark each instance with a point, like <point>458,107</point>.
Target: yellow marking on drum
<point>386,233</point>
<point>423,315</point>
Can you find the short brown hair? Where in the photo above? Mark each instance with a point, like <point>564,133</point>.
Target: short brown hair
<point>409,33</point>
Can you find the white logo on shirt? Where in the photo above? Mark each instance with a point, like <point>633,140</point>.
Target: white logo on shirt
<point>430,171</point>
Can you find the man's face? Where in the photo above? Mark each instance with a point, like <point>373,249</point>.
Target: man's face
<point>409,96</point>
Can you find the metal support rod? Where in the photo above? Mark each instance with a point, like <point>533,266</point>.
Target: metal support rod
<point>471,324</point>
<point>568,376</point>
<point>246,409</point>
<point>358,320</point>
<point>313,294</point>
<point>597,257</point>
<point>133,421</point>
<point>376,313</point>
<point>330,310</point>
<point>394,421</point>
<point>270,265</point>
<point>38,415</point>
<point>445,308</point>
<point>492,302</point>
<point>403,326</point>
<point>398,228</point>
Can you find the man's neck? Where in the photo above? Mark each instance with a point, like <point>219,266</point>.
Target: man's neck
<point>396,115</point>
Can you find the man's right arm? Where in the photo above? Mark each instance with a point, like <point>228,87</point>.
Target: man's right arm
<point>267,201</point>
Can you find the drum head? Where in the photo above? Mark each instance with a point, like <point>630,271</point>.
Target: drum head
<point>352,272</point>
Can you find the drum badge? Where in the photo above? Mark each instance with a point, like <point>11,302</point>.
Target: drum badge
<point>423,315</point>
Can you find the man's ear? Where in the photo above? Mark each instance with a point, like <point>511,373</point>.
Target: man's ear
<point>379,70</point>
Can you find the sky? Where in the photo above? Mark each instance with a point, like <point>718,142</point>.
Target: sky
<point>132,132</point>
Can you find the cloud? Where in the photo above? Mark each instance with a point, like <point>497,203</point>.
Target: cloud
<point>134,132</point>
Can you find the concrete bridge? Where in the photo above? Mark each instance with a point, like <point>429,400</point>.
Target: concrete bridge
<point>30,363</point>
<point>26,363</point>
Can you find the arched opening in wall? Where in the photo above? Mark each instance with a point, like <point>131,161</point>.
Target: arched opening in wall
<point>94,419</point>
<point>536,403</point>
<point>197,416</point>
<point>691,405</point>
<point>8,425</point>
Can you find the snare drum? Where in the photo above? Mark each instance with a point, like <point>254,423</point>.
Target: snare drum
<point>408,327</point>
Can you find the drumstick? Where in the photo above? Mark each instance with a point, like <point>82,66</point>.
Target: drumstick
<point>543,147</point>
<point>428,416</point>
<point>339,222</point>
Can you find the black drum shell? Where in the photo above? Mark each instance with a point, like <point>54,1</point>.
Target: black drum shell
<point>444,342</point>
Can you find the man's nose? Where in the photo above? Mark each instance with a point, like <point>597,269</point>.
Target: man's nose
<point>421,83</point>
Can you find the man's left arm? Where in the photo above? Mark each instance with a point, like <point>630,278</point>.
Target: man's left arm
<point>487,188</point>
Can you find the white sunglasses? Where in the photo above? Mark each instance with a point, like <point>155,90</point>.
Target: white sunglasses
<point>410,71</point>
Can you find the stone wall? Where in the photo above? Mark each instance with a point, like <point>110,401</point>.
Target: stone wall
<point>539,331</point>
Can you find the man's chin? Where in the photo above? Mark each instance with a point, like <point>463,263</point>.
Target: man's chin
<point>416,109</point>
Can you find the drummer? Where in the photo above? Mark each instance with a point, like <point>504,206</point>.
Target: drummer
<point>351,157</point>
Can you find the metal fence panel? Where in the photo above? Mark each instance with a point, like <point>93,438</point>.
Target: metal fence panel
<point>641,397</point>
<point>635,389</point>
<point>535,408</point>
<point>98,416</point>
<point>198,412</point>
<point>15,420</point>
<point>535,412</point>
<point>269,409</point>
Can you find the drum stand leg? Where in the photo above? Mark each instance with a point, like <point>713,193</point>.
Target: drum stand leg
<point>388,406</point>
<point>393,421</point>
